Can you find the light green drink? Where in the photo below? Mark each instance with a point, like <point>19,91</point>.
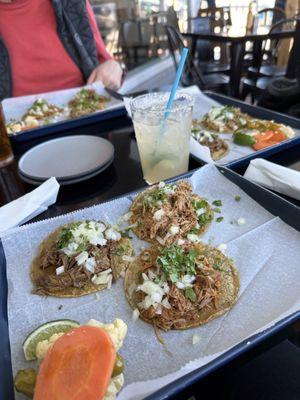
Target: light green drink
<point>163,143</point>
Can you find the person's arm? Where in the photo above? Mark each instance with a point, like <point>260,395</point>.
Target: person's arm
<point>109,72</point>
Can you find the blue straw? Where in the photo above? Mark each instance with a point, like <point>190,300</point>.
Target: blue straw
<point>176,82</point>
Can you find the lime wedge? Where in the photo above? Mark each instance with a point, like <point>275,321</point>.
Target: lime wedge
<point>44,332</point>
<point>243,139</point>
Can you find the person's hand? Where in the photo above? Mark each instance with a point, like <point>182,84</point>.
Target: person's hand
<point>109,73</point>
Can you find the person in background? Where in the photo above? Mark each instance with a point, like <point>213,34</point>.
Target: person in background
<point>48,45</point>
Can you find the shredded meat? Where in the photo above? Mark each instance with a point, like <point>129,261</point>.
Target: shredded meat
<point>73,275</point>
<point>178,211</point>
<point>214,145</point>
<point>183,312</point>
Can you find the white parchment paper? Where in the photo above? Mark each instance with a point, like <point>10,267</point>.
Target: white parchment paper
<point>265,250</point>
<point>14,108</point>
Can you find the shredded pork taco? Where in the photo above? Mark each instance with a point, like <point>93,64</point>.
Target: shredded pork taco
<point>40,113</point>
<point>181,287</point>
<point>170,213</point>
<point>80,258</point>
<point>86,101</point>
<point>224,119</point>
<point>217,146</point>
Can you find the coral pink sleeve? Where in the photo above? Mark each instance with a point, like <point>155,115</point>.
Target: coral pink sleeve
<point>102,53</point>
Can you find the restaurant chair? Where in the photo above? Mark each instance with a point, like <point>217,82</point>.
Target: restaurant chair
<point>204,54</point>
<point>267,17</point>
<point>134,41</point>
<point>269,68</point>
<point>193,75</point>
<point>220,20</point>
<point>259,77</point>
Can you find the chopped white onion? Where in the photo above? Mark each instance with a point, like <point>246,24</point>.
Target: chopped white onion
<point>150,287</point>
<point>174,230</point>
<point>193,238</point>
<point>82,257</point>
<point>151,275</point>
<point>127,258</point>
<point>200,211</point>
<point>102,278</point>
<point>180,285</point>
<point>158,214</point>
<point>109,281</point>
<point>196,339</point>
<point>60,270</point>
<point>161,185</point>
<point>160,240</point>
<point>135,315</point>
<point>180,242</point>
<point>90,264</point>
<point>156,297</point>
<point>241,221</point>
<point>158,309</point>
<point>145,276</point>
<point>112,234</point>
<point>222,247</point>
<point>165,303</point>
<point>126,216</point>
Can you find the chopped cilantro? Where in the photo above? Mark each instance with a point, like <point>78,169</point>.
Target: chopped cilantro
<point>174,262</point>
<point>197,204</point>
<point>219,219</point>
<point>217,203</point>
<point>65,237</point>
<point>125,234</point>
<point>218,268</point>
<point>120,251</point>
<point>190,294</point>
<point>82,246</point>
<point>237,198</point>
<point>204,218</point>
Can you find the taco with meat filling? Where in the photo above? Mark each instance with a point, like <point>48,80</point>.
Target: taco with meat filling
<point>86,101</point>
<point>177,287</point>
<point>170,213</point>
<point>80,258</point>
<point>217,146</point>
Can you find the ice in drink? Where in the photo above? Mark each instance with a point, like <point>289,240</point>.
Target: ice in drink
<point>163,144</point>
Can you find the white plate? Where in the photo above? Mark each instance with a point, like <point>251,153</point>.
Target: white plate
<point>66,158</point>
<point>64,182</point>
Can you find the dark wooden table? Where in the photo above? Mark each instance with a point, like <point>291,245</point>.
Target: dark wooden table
<point>237,50</point>
<point>124,175</point>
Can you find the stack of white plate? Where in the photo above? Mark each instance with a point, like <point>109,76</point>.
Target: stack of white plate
<point>69,159</point>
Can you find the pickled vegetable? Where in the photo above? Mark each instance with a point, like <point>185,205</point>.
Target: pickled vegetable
<point>119,366</point>
<point>25,381</point>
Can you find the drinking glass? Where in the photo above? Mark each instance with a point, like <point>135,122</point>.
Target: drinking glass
<point>163,142</point>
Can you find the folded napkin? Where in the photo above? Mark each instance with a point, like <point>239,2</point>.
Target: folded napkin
<point>273,176</point>
<point>28,206</point>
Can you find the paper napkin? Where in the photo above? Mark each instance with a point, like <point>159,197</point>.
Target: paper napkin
<point>275,177</point>
<point>28,206</point>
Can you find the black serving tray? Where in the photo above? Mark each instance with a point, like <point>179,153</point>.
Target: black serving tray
<point>262,113</point>
<point>278,206</point>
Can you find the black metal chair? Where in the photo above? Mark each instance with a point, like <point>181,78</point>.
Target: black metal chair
<point>268,17</point>
<point>268,67</point>
<point>204,55</point>
<point>259,77</point>
<point>192,74</point>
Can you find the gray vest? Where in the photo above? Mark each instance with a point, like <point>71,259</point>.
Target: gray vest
<point>76,35</point>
